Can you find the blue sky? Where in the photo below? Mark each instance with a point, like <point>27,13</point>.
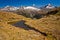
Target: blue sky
<point>28,2</point>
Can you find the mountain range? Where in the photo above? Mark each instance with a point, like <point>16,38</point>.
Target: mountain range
<point>12,8</point>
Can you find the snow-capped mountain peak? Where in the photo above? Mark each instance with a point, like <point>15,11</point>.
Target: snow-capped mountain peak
<point>49,6</point>
<point>7,6</point>
<point>10,8</point>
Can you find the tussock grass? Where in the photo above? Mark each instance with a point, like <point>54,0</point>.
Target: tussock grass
<point>49,25</point>
<point>9,32</point>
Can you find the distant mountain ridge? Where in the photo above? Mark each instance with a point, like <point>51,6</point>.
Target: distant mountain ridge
<point>9,8</point>
<point>12,8</point>
<point>32,11</point>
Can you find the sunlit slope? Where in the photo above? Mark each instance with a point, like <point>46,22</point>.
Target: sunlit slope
<point>9,16</point>
<point>47,22</point>
<point>49,25</point>
<point>9,32</point>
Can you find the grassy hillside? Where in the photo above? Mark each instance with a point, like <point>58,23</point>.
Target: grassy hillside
<point>48,27</point>
<point>9,16</point>
<point>9,32</point>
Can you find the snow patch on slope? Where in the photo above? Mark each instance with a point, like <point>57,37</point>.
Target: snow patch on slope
<point>31,8</point>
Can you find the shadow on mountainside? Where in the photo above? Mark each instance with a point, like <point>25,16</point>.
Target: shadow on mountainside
<point>37,14</point>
